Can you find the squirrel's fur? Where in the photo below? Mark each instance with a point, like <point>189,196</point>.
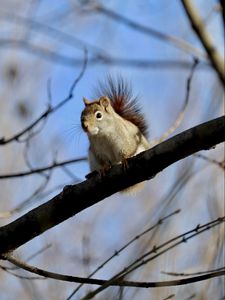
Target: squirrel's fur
<point>123,101</point>
<point>115,126</point>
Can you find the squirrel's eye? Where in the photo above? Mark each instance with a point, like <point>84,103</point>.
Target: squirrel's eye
<point>98,115</point>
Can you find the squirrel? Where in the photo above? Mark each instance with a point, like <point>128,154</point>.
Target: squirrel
<point>115,126</point>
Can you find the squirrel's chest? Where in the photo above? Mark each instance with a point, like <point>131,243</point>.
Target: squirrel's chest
<point>108,149</point>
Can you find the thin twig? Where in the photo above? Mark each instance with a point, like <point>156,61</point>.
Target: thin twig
<point>220,164</point>
<point>50,110</point>
<point>169,39</point>
<point>43,169</point>
<point>118,282</point>
<point>78,43</point>
<point>223,12</point>
<point>30,257</point>
<point>71,62</point>
<point>69,278</point>
<point>52,32</point>
<point>117,252</point>
<point>192,273</point>
<point>21,276</point>
<point>28,200</point>
<point>169,297</point>
<point>180,116</point>
<point>156,252</point>
<point>190,297</point>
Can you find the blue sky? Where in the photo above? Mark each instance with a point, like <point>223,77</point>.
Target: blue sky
<point>162,92</point>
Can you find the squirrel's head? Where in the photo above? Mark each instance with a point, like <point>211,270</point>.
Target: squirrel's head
<point>97,116</point>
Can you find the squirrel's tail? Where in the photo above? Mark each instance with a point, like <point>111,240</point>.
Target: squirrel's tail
<point>125,104</point>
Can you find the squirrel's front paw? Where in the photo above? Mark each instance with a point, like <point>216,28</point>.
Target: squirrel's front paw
<point>101,172</point>
<point>104,170</point>
<point>124,164</point>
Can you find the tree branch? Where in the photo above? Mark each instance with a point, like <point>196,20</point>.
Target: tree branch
<point>76,198</point>
<point>223,11</point>
<point>56,57</point>
<point>119,282</point>
<point>117,252</point>
<point>50,109</point>
<point>54,165</point>
<point>199,28</point>
<point>155,252</point>
<point>169,39</point>
<point>99,55</point>
<point>193,273</point>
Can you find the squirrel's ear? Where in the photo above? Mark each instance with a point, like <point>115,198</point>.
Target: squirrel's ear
<point>86,101</point>
<point>104,101</point>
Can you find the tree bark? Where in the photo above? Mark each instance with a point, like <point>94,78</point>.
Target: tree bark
<point>76,198</point>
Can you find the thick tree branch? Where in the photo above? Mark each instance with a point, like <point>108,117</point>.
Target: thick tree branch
<point>199,28</point>
<point>76,198</point>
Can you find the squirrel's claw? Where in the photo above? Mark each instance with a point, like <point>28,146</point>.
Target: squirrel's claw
<point>124,164</point>
<point>101,172</point>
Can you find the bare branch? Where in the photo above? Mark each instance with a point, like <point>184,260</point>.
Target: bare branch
<point>220,164</point>
<point>33,255</point>
<point>192,273</point>
<point>50,110</point>
<point>47,30</point>
<point>156,251</point>
<point>192,296</point>
<point>199,28</point>
<point>223,11</point>
<point>70,278</point>
<point>169,297</point>
<point>177,42</point>
<point>119,281</point>
<point>139,168</point>
<point>20,276</point>
<point>100,53</point>
<point>117,252</point>
<point>43,169</point>
<point>71,62</point>
<point>181,114</point>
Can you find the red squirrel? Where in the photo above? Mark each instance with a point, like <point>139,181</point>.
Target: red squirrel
<point>115,126</point>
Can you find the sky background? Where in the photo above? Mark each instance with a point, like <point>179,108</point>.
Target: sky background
<point>102,229</point>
